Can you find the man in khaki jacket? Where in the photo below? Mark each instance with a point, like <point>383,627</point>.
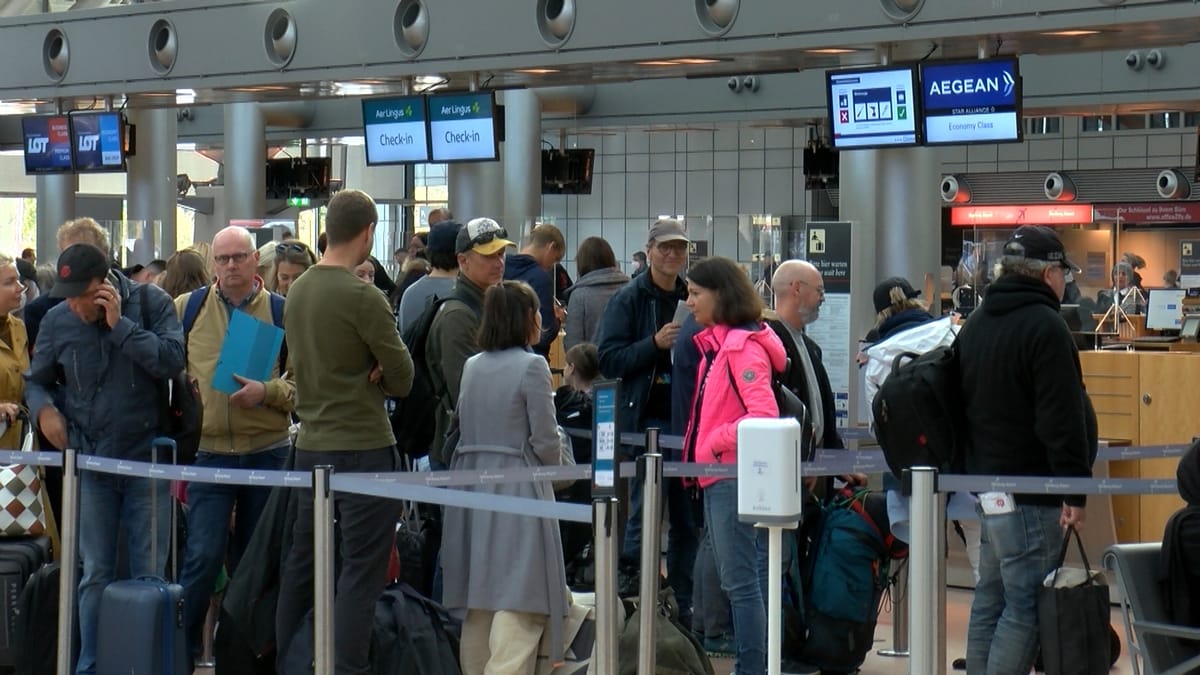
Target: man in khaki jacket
<point>244,430</point>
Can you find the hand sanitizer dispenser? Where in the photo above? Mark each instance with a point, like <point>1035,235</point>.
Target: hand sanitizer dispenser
<point>769,482</point>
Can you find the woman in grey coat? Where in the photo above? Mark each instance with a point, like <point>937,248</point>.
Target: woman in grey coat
<point>599,278</point>
<point>506,570</point>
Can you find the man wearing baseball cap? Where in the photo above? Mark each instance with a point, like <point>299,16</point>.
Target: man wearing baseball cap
<point>480,246</point>
<point>1026,414</point>
<point>637,332</point>
<point>100,354</point>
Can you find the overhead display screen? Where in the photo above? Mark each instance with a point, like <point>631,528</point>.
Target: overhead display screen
<point>395,130</point>
<point>874,107</point>
<point>47,144</point>
<point>971,101</point>
<point>98,140</point>
<point>462,127</point>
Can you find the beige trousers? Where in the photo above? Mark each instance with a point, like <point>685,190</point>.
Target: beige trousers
<point>501,643</point>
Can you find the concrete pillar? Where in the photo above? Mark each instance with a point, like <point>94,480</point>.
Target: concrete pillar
<point>152,188</point>
<point>55,206</point>
<point>908,226</point>
<point>477,189</point>
<point>245,161</point>
<point>521,156</point>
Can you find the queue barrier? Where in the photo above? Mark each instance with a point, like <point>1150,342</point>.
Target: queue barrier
<point>429,487</point>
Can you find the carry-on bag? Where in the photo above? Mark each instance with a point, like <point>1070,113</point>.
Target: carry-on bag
<point>20,557</point>
<point>22,509</point>
<point>141,629</point>
<point>1073,617</point>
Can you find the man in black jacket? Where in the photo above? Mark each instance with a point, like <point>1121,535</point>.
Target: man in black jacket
<point>1027,414</point>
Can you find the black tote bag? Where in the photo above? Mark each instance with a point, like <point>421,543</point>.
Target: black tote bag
<point>1074,622</point>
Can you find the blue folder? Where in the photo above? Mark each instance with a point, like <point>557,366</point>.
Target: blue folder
<point>250,350</point>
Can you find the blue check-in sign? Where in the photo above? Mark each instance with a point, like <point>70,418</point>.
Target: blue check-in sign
<point>967,85</point>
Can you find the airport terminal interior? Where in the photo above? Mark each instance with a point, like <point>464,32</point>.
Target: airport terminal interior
<point>875,138</point>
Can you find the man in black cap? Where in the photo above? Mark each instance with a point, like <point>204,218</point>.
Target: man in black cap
<point>1026,414</point>
<point>110,342</point>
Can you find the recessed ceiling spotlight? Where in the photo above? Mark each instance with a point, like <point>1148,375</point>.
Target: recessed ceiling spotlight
<point>537,71</point>
<point>1080,32</point>
<point>832,51</point>
<point>690,61</point>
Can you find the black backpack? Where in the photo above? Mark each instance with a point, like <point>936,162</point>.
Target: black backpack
<point>789,403</point>
<point>918,411</point>
<point>414,415</point>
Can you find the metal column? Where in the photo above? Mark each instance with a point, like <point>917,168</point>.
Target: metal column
<point>604,523</point>
<point>650,471</point>
<point>322,571</point>
<point>68,561</point>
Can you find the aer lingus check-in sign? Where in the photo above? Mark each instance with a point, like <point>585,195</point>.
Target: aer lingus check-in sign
<point>971,101</point>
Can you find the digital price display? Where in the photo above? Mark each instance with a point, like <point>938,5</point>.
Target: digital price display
<point>98,140</point>
<point>462,127</point>
<point>873,107</point>
<point>971,101</point>
<point>395,130</point>
<point>47,144</point>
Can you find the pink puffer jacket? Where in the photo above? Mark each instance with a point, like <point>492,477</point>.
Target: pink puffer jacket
<point>736,386</point>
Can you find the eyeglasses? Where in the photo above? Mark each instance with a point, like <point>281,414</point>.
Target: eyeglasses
<point>819,289</point>
<point>235,258</point>
<point>672,248</point>
<point>283,248</point>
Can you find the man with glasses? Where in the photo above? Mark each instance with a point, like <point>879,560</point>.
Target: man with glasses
<point>247,429</point>
<point>480,248</point>
<point>637,332</point>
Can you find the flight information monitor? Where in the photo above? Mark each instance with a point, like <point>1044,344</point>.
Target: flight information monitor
<point>395,130</point>
<point>971,101</point>
<point>874,107</point>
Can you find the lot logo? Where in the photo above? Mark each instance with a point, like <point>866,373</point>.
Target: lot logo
<point>974,85</point>
<point>88,142</point>
<point>38,145</point>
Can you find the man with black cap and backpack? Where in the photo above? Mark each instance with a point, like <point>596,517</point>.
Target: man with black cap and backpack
<point>1026,414</point>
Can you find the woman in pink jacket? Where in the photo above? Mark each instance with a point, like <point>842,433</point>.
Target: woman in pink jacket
<point>738,354</point>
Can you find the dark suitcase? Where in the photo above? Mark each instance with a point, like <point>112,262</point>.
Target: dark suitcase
<point>36,638</point>
<point>19,559</point>
<point>141,629</point>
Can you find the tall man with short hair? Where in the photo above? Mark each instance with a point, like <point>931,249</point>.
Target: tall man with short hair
<point>480,245</point>
<point>93,386</point>
<point>1026,414</point>
<point>637,332</point>
<point>247,429</point>
<point>345,356</point>
<point>544,248</point>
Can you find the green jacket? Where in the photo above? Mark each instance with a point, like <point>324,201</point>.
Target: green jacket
<point>451,341</point>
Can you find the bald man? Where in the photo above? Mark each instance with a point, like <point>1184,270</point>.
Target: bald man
<point>243,429</point>
<point>799,293</point>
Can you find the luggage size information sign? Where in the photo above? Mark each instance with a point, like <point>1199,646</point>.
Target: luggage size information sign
<point>604,454</point>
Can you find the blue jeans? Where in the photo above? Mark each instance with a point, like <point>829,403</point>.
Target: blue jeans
<point>210,506</point>
<point>740,551</point>
<point>106,503</point>
<point>1018,550</point>
<point>366,528</point>
<point>683,541</point>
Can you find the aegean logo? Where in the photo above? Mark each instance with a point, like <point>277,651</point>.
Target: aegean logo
<point>974,85</point>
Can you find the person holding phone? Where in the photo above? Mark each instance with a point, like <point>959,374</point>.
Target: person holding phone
<point>100,355</point>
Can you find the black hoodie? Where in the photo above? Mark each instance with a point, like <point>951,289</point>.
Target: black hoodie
<point>1027,412</point>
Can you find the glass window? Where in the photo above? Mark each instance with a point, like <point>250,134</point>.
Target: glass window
<point>1191,119</point>
<point>1096,123</point>
<point>1043,125</point>
<point>1131,122</point>
<point>1168,120</point>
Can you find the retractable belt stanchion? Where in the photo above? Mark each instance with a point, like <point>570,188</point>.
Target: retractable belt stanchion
<point>323,556</point>
<point>604,523</point>
<point>924,558</point>
<point>68,561</point>
<point>899,615</point>
<point>650,472</point>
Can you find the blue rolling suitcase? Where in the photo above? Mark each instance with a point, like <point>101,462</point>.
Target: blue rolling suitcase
<point>141,628</point>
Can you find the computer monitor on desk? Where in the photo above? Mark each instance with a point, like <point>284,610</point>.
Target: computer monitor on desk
<point>1164,309</point>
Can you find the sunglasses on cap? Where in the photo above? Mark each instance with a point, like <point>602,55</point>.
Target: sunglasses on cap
<point>489,236</point>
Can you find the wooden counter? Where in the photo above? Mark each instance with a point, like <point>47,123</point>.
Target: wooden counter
<point>1150,398</point>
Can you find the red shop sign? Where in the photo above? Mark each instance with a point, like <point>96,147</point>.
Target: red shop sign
<point>1152,212</point>
<point>1021,214</point>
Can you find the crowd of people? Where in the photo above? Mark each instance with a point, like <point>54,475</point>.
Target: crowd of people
<point>694,346</point>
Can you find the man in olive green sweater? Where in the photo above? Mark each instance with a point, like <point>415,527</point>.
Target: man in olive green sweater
<point>346,357</point>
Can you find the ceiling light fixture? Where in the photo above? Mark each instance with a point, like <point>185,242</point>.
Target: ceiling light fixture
<point>831,51</point>
<point>185,96</point>
<point>537,71</point>
<point>691,61</point>
<point>1071,33</point>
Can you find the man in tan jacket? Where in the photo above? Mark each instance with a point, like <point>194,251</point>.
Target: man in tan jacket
<point>244,430</point>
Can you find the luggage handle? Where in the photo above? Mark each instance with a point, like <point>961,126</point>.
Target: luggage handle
<point>1062,555</point>
<point>154,445</point>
